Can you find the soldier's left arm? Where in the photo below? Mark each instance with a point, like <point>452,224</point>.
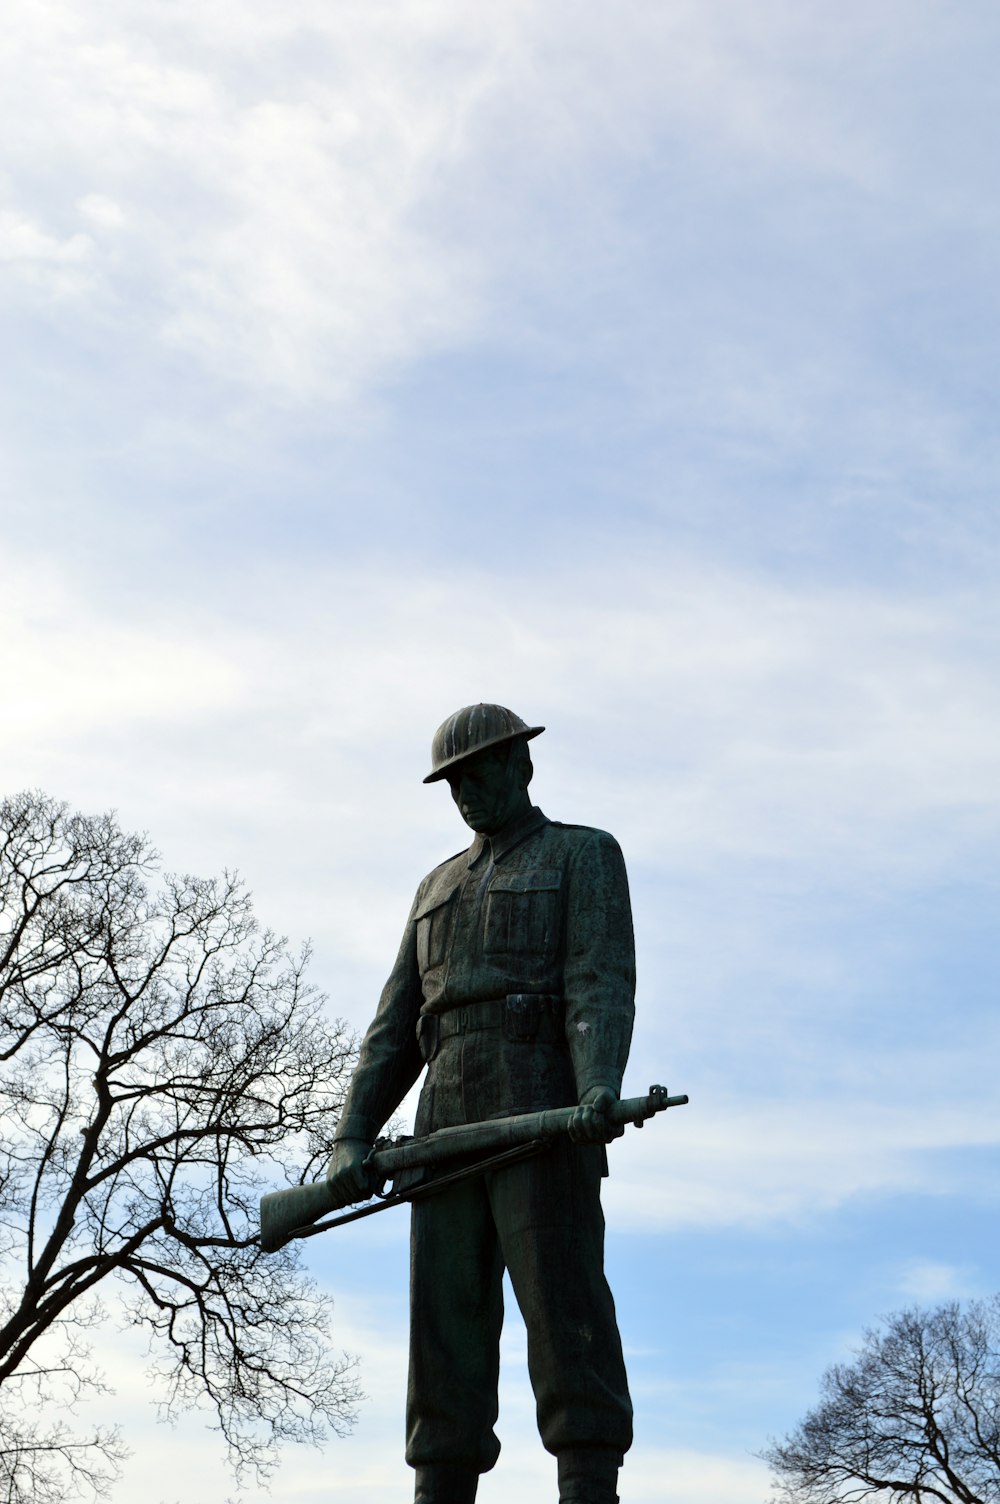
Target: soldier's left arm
<point>599,964</point>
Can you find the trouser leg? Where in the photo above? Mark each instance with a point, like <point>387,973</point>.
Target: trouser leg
<point>551,1226</point>
<point>588,1475</point>
<point>456,1311</point>
<point>446,1483</point>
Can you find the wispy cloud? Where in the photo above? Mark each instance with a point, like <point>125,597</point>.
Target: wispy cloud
<point>58,267</point>
<point>831,728</point>
<point>789,1162</point>
<point>929,1283</point>
<point>306,202</point>
<point>72,670</point>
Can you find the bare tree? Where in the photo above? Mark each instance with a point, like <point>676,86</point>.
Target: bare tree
<point>915,1417</point>
<point>161,1061</point>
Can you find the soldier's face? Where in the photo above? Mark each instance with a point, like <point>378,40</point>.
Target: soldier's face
<point>486,789</point>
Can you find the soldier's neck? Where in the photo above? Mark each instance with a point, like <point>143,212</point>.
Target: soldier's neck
<point>504,840</point>
<point>513,814</point>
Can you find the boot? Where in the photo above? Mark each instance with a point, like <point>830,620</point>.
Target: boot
<point>588,1475</point>
<point>446,1483</point>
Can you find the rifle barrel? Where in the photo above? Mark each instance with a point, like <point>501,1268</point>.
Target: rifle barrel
<point>505,1133</point>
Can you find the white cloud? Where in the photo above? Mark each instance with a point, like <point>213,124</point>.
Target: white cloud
<point>313,198</point>
<point>57,267</point>
<point>102,211</point>
<point>763,1161</point>
<point>270,207</point>
<point>930,1281</point>
<point>704,717</point>
<point>72,670</point>
<point>691,1477</point>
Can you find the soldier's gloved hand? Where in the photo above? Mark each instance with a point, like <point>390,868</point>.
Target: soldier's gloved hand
<point>590,1123</point>
<point>346,1175</point>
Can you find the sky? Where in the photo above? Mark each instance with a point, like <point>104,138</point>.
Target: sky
<point>631,366</point>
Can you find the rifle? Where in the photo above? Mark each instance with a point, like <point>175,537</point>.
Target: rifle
<point>294,1213</point>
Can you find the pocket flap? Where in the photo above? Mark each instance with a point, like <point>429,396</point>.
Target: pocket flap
<point>541,880</point>
<point>436,899</point>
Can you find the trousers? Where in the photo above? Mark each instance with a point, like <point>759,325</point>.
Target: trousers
<point>540,1219</point>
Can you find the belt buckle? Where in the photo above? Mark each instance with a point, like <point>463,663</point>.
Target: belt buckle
<point>521,1017</point>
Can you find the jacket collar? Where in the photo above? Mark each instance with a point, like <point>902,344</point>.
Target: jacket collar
<point>510,836</point>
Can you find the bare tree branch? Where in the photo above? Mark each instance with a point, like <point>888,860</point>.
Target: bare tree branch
<point>162,1060</point>
<point>916,1416</point>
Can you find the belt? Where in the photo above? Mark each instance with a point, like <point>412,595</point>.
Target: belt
<point>524,1017</point>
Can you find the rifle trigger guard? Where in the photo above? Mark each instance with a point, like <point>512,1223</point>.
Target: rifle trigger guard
<point>379,1182</point>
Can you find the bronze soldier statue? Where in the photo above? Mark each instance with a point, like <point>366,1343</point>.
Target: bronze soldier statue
<point>514,985</point>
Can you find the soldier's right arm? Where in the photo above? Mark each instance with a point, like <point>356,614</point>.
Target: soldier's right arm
<point>388,1064</point>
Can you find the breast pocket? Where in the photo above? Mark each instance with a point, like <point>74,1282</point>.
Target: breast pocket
<point>522,914</point>
<point>433,920</point>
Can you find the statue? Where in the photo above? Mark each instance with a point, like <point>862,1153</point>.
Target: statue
<point>514,986</point>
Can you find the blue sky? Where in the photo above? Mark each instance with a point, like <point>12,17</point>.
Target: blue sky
<point>636,369</point>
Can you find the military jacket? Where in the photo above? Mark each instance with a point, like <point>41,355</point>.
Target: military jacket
<point>540,908</point>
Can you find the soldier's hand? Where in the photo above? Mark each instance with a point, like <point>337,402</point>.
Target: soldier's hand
<point>590,1123</point>
<point>346,1175</point>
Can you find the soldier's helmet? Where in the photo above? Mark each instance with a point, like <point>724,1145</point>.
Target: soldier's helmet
<point>472,729</point>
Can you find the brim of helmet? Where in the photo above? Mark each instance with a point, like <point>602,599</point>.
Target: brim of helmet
<point>494,741</point>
